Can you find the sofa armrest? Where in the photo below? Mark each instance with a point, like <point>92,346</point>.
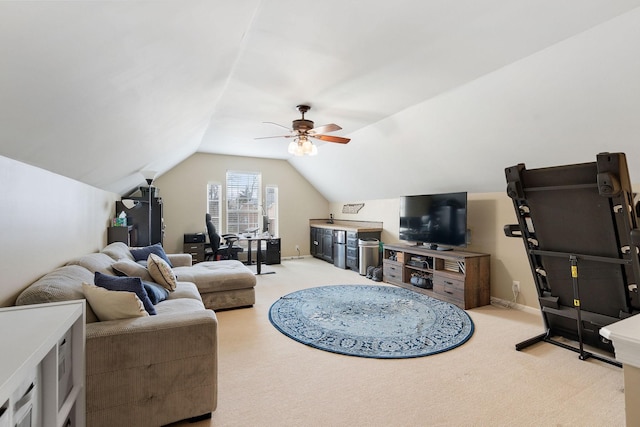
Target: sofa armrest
<point>151,370</point>
<point>180,260</point>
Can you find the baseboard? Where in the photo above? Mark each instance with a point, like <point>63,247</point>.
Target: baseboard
<point>514,305</point>
<point>295,257</point>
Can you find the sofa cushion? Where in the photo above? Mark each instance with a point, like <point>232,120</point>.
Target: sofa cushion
<point>118,251</point>
<point>185,290</point>
<point>156,292</point>
<point>215,276</point>
<point>61,284</point>
<point>180,260</point>
<point>94,262</point>
<point>161,272</point>
<point>180,306</point>
<point>128,284</point>
<point>127,267</point>
<point>113,305</point>
<point>142,254</point>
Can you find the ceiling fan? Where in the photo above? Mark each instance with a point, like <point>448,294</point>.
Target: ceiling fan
<point>302,129</point>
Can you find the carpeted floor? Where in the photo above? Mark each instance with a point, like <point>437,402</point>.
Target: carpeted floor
<point>267,379</point>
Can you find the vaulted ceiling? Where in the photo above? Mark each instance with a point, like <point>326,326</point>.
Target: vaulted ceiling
<point>435,95</point>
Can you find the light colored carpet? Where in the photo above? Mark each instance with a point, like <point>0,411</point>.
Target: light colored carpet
<point>267,379</point>
<point>264,269</point>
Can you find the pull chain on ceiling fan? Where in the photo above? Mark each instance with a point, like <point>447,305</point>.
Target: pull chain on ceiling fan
<point>302,129</point>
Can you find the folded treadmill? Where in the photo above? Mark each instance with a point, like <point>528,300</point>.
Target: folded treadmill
<point>577,223</point>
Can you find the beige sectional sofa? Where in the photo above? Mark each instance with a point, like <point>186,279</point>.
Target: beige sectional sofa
<point>222,284</point>
<point>152,370</point>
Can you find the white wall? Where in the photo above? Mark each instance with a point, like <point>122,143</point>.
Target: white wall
<point>45,220</point>
<point>184,196</point>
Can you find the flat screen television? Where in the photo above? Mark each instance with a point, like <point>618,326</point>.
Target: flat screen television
<point>436,220</point>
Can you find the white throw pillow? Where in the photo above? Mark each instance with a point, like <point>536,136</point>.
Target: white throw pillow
<point>161,272</point>
<point>113,305</point>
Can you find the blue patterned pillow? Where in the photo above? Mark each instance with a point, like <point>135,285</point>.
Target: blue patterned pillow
<point>141,254</point>
<point>128,284</point>
<point>156,292</point>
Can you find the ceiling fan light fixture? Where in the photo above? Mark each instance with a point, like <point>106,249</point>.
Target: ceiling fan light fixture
<point>292,147</point>
<point>306,145</point>
<point>304,129</point>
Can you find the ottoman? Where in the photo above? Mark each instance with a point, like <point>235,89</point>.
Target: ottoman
<point>222,284</point>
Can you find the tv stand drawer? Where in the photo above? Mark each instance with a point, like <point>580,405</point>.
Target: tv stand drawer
<point>392,272</point>
<point>448,288</point>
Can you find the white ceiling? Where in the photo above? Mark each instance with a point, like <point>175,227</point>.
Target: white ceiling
<point>436,95</point>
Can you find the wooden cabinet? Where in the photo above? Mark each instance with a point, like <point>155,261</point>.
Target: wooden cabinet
<point>322,243</point>
<point>458,277</point>
<point>316,242</point>
<point>119,234</point>
<point>196,250</point>
<point>327,245</point>
<point>42,366</point>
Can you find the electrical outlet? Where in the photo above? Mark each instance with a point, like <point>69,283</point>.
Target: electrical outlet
<point>516,287</point>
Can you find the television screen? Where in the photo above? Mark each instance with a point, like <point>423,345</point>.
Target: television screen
<point>434,219</point>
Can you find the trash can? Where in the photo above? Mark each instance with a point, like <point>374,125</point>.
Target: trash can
<point>367,254</point>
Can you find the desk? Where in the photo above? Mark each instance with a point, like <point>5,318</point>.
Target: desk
<point>259,240</point>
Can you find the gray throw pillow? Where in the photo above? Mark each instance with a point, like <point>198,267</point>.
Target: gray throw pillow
<point>126,267</point>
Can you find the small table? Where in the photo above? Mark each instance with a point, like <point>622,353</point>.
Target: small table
<point>259,254</point>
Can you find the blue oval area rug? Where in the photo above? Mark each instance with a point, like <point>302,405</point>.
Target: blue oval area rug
<point>384,322</point>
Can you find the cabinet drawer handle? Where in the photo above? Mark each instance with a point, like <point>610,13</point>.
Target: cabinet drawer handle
<point>448,283</point>
<point>448,292</point>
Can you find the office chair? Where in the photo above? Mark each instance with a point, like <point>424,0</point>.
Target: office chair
<point>215,249</point>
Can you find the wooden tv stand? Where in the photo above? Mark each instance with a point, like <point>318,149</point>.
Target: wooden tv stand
<point>458,277</point>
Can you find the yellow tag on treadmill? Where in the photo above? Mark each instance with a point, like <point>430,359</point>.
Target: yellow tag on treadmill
<point>576,303</point>
<point>574,271</point>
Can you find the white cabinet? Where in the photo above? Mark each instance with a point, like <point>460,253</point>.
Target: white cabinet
<point>42,365</point>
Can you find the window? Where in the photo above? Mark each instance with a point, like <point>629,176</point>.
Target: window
<point>271,208</point>
<point>214,191</point>
<point>243,201</point>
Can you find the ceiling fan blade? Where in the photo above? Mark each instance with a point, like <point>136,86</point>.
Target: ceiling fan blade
<point>329,138</point>
<point>278,136</point>
<point>278,124</point>
<point>331,127</point>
